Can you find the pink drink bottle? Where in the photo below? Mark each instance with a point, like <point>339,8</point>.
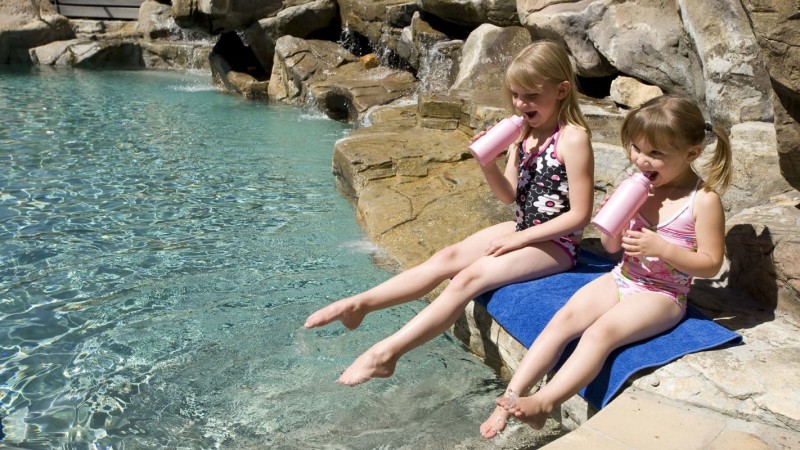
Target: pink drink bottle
<point>623,205</point>
<point>497,139</point>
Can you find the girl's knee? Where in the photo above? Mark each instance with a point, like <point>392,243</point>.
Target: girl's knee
<point>445,256</point>
<point>471,278</point>
<point>563,318</point>
<point>601,334</point>
<point>463,280</point>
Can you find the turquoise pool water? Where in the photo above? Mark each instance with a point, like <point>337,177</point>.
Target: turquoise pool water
<point>160,246</point>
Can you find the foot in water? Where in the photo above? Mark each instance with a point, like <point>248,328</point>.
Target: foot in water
<point>495,424</point>
<point>342,310</point>
<point>529,410</point>
<point>371,364</point>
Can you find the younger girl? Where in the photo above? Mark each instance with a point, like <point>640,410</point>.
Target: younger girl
<point>550,176</point>
<point>678,234</point>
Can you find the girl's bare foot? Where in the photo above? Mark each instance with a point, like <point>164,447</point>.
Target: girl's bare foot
<point>495,423</point>
<point>371,364</point>
<point>341,310</point>
<point>527,409</point>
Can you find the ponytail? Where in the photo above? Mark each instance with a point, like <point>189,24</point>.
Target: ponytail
<point>718,169</point>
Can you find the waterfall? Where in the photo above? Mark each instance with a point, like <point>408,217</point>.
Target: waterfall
<point>438,67</point>
<point>351,41</point>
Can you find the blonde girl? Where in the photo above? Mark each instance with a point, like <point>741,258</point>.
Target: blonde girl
<point>555,147</point>
<point>678,234</point>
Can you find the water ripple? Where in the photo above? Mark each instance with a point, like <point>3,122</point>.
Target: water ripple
<point>160,245</point>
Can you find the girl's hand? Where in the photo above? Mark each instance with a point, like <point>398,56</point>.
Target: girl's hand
<point>603,202</point>
<point>478,136</point>
<point>505,244</point>
<point>643,243</point>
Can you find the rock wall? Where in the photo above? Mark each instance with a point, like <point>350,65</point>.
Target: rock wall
<point>28,24</point>
<point>32,33</point>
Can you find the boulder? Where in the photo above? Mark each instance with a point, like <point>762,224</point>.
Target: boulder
<point>106,29</point>
<point>213,17</point>
<point>176,55</point>
<point>125,44</point>
<point>438,67</point>
<point>755,157</point>
<point>432,53</point>
<point>326,75</point>
<point>439,111</point>
<point>369,61</point>
<point>775,23</point>
<point>416,39</point>
<point>502,13</point>
<point>644,39</point>
<point>299,60</point>
<point>568,22</point>
<point>486,54</point>
<point>56,53</point>
<point>630,92</point>
<point>404,198</point>
<point>155,22</point>
<point>764,251</point>
<point>108,53</point>
<point>737,87</point>
<point>298,21</point>
<point>346,93</point>
<point>787,133</point>
<point>26,24</point>
<point>380,22</point>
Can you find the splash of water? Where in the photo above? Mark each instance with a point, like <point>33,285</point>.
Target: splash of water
<point>437,67</point>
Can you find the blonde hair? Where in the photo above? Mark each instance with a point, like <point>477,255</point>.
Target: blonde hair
<point>545,61</point>
<point>675,123</point>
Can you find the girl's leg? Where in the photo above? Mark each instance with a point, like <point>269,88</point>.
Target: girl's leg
<point>487,272</point>
<point>583,308</point>
<point>637,317</point>
<point>410,284</point>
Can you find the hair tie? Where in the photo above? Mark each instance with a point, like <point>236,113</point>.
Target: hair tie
<point>709,127</point>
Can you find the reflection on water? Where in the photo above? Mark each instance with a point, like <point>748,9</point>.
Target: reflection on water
<point>160,246</point>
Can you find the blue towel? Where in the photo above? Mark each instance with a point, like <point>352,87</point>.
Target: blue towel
<point>523,310</point>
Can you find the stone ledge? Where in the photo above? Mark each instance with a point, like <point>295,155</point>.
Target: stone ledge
<point>664,424</point>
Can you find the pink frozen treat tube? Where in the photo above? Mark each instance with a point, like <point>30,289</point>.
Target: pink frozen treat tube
<point>497,139</point>
<point>623,205</point>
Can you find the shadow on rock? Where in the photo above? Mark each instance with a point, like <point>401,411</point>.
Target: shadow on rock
<point>746,293</point>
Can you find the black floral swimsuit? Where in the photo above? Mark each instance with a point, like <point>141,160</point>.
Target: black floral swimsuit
<point>543,192</point>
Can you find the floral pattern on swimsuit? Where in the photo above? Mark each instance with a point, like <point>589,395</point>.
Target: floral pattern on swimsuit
<point>542,186</point>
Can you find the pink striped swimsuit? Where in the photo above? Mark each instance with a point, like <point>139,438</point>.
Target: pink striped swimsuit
<point>634,274</point>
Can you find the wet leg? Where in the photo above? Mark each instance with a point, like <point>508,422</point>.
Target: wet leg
<point>496,423</point>
<point>410,284</point>
<point>486,273</point>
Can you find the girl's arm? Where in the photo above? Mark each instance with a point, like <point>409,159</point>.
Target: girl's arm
<point>611,244</point>
<point>503,185</point>
<point>710,232</point>
<point>575,149</point>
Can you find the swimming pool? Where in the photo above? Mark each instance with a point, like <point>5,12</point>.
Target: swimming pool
<point>160,247</point>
